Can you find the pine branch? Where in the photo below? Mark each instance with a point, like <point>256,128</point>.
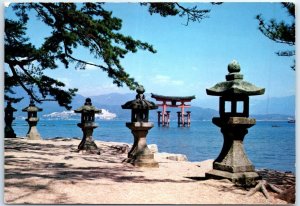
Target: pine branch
<point>29,92</point>
<point>193,14</point>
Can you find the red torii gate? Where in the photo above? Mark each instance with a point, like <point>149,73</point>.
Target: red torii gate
<point>172,100</point>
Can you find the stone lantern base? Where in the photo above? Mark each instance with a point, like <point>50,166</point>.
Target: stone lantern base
<point>243,178</point>
<point>87,144</point>
<point>140,155</point>
<point>33,133</point>
<point>233,163</point>
<point>9,132</point>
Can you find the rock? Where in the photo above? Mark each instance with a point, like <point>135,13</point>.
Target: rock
<point>121,149</point>
<point>153,148</point>
<point>178,157</point>
<point>174,157</point>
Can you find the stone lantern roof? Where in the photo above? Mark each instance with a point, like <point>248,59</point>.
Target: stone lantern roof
<point>234,84</point>
<point>140,102</point>
<point>87,107</point>
<point>32,108</point>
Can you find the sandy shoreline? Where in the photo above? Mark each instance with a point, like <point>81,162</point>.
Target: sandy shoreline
<point>49,172</point>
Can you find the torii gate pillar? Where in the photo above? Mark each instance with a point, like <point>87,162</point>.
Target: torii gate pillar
<point>164,115</point>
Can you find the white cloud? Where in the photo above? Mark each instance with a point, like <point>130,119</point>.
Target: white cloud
<point>7,3</point>
<point>103,89</point>
<point>66,81</point>
<point>166,80</point>
<point>91,67</point>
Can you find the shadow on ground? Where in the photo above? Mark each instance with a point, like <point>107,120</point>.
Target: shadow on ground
<point>37,166</point>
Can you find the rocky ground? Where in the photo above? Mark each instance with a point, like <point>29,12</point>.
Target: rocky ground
<point>51,172</point>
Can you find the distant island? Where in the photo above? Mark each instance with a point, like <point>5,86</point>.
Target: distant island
<point>271,109</point>
<point>68,115</point>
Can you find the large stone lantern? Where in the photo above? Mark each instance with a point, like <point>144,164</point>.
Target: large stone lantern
<point>140,155</point>
<point>8,118</point>
<point>32,120</point>
<point>233,163</point>
<point>88,125</point>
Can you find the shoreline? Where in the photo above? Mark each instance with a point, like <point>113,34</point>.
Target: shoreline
<point>129,144</point>
<point>50,173</point>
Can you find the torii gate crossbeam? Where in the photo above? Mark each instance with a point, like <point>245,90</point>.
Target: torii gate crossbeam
<point>171,101</point>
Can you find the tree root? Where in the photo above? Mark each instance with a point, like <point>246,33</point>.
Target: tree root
<point>262,186</point>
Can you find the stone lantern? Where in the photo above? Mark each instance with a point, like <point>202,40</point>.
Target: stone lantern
<point>233,163</point>
<point>88,125</point>
<point>32,120</point>
<point>9,117</point>
<point>140,155</point>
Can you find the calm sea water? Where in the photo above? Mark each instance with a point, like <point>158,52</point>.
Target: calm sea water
<point>267,144</point>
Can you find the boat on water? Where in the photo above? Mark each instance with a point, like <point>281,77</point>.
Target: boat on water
<point>291,121</point>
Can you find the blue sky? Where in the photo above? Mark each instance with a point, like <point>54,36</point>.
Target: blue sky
<point>190,58</point>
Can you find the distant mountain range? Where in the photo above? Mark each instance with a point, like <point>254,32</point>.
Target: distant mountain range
<point>273,105</point>
<point>279,108</point>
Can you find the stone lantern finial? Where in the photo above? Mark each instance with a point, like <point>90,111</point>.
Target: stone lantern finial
<point>88,101</point>
<point>140,93</point>
<point>234,67</point>
<point>31,102</point>
<point>234,71</point>
<point>140,89</point>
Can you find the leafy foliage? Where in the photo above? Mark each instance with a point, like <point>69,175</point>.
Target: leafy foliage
<point>87,25</point>
<point>172,9</point>
<point>281,32</point>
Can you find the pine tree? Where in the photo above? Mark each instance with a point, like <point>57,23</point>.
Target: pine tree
<point>281,32</point>
<point>88,25</point>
